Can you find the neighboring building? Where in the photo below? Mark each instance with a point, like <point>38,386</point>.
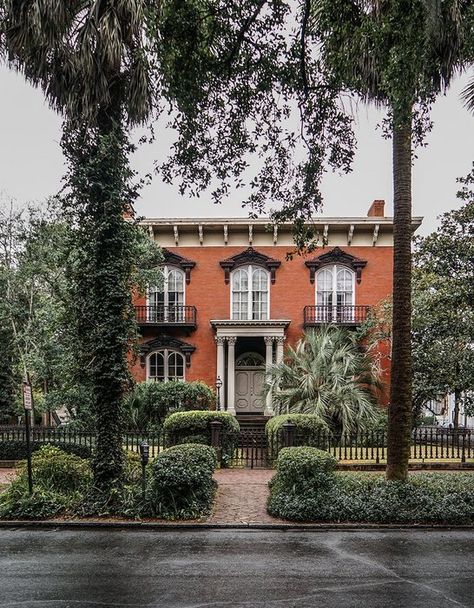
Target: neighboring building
<point>443,410</point>
<point>231,299</point>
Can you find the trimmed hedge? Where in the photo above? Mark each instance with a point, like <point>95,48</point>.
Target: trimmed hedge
<point>306,488</point>
<point>309,431</point>
<point>181,485</point>
<point>195,427</point>
<point>16,449</point>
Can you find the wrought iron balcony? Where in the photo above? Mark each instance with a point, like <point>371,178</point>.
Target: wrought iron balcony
<point>159,315</point>
<point>339,315</point>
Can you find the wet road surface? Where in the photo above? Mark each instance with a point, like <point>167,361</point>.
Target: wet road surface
<point>241,568</point>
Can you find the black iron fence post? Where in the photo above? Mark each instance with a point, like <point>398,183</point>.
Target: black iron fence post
<point>289,434</point>
<point>216,427</point>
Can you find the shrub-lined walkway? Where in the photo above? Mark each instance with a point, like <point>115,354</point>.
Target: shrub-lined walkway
<point>242,497</point>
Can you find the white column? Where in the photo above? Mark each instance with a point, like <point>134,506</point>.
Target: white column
<point>231,375</point>
<point>268,361</point>
<point>279,353</point>
<point>221,368</point>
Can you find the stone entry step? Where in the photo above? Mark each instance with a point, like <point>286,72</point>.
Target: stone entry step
<point>251,421</point>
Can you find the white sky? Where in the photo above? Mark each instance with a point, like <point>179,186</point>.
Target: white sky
<point>31,163</point>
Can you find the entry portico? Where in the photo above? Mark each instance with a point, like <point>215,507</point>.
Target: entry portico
<point>245,350</point>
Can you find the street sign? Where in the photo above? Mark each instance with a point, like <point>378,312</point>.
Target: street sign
<point>27,397</point>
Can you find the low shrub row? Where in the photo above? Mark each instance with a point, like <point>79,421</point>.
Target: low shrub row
<point>307,488</point>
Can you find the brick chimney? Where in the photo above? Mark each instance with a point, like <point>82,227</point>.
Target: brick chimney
<point>376,209</point>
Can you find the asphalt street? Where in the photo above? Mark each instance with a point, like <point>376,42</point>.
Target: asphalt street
<point>240,568</point>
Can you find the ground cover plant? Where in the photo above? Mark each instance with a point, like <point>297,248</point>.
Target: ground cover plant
<point>307,488</point>
<point>60,480</point>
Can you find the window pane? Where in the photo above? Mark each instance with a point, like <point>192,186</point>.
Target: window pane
<point>259,294</point>
<point>240,294</point>
<point>175,366</point>
<point>157,367</point>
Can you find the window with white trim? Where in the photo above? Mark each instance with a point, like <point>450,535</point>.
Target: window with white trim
<point>166,303</point>
<point>165,365</point>
<point>335,293</point>
<point>250,287</point>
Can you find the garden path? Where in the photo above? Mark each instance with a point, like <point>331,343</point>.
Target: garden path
<point>242,497</point>
<point>7,475</point>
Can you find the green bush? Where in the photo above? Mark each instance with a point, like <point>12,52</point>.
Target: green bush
<point>309,431</point>
<point>430,498</point>
<point>16,450</point>
<point>302,467</point>
<point>59,482</point>
<point>181,485</point>
<point>148,403</point>
<point>195,427</point>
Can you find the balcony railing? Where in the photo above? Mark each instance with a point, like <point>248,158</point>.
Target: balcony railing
<point>159,314</point>
<point>340,315</point>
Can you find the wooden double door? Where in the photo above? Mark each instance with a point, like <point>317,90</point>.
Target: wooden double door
<point>249,390</point>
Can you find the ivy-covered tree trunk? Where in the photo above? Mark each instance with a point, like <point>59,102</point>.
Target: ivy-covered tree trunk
<point>99,177</point>
<point>400,409</point>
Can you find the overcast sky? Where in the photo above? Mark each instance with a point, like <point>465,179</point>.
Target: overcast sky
<point>31,163</point>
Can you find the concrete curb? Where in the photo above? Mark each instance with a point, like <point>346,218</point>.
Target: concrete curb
<point>137,525</point>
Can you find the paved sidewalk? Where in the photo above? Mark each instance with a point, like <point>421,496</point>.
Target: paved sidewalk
<point>242,497</point>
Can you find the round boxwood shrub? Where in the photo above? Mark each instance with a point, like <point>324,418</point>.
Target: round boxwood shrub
<point>195,427</point>
<point>299,467</point>
<point>181,485</point>
<point>16,449</point>
<point>148,403</point>
<point>309,431</point>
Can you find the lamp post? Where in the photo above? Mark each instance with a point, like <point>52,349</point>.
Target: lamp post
<point>145,457</point>
<point>218,389</point>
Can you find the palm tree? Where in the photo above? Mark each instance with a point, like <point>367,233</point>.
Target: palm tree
<point>90,59</point>
<point>327,375</point>
<point>397,55</point>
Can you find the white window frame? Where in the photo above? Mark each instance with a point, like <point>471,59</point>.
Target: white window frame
<point>166,270</point>
<point>249,269</point>
<point>166,352</point>
<point>320,312</point>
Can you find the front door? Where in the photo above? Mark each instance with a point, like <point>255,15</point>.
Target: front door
<point>248,391</point>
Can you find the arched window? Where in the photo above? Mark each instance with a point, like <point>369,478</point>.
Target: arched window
<point>165,365</point>
<point>335,293</point>
<point>250,294</point>
<point>166,302</point>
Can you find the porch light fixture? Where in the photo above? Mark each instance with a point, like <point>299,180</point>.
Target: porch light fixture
<point>218,390</point>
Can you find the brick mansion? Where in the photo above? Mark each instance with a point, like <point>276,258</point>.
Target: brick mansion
<point>231,300</point>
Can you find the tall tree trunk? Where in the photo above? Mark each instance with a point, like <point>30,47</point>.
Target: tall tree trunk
<point>400,409</point>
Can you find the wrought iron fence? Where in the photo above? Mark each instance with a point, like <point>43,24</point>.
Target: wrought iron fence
<point>64,437</point>
<point>253,449</point>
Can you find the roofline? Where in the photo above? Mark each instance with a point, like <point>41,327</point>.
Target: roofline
<point>218,221</point>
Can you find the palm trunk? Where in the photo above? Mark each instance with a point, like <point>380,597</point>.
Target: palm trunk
<point>400,409</point>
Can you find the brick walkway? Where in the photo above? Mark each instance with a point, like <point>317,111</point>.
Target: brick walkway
<point>6,475</point>
<point>242,496</point>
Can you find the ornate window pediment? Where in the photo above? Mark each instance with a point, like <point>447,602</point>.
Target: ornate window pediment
<point>336,257</point>
<point>167,342</point>
<point>250,257</point>
<point>171,258</point>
